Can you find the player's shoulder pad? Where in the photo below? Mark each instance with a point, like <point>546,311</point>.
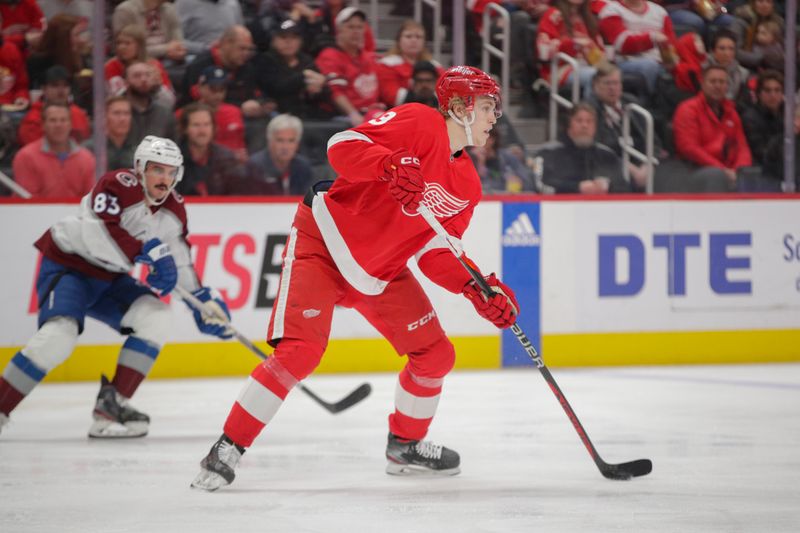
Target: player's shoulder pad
<point>123,184</point>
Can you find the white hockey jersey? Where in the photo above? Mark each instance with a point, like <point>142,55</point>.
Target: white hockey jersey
<point>112,224</point>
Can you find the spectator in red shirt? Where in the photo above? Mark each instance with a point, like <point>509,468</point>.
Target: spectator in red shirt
<point>55,166</point>
<point>396,67</point>
<point>57,90</point>
<point>13,78</point>
<point>228,119</point>
<point>130,45</point>
<point>709,135</point>
<point>570,27</point>
<point>354,86</point>
<point>22,22</point>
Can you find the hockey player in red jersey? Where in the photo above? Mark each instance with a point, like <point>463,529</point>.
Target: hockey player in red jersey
<point>131,216</point>
<point>349,246</point>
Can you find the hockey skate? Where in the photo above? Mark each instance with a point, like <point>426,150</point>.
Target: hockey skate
<point>419,457</point>
<point>114,418</point>
<point>4,420</point>
<point>217,467</point>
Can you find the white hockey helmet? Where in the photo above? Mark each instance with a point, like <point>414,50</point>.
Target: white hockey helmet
<point>157,150</point>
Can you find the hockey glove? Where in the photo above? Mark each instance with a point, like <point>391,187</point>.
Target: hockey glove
<point>163,272</point>
<point>216,318</point>
<point>405,179</point>
<point>500,308</point>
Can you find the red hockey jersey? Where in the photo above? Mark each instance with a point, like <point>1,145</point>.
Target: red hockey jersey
<point>110,227</point>
<point>369,235</point>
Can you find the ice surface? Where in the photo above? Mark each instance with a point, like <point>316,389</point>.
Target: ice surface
<point>723,439</point>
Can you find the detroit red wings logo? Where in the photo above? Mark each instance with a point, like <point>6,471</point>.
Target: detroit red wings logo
<point>440,202</point>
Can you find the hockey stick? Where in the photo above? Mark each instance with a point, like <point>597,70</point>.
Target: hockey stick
<point>345,403</point>
<point>622,471</point>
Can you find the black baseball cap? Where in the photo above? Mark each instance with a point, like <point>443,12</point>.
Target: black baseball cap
<point>55,74</point>
<point>214,76</point>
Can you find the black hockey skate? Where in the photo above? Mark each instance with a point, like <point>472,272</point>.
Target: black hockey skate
<point>419,457</point>
<point>114,418</point>
<point>217,467</point>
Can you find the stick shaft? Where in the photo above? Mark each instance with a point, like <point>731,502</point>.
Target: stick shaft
<point>517,330</point>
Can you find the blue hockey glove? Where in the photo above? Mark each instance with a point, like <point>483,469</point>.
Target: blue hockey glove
<point>163,272</point>
<point>215,319</point>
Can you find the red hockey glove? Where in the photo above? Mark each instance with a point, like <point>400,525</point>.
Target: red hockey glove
<point>405,179</point>
<point>500,308</point>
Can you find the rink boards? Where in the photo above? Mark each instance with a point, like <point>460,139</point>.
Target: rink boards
<point>621,281</point>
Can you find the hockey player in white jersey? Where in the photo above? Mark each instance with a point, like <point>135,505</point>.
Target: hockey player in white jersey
<point>131,216</point>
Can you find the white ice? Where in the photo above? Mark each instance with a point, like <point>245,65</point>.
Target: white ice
<point>723,439</point>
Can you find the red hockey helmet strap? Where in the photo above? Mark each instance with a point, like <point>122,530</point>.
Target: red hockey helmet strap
<point>466,83</point>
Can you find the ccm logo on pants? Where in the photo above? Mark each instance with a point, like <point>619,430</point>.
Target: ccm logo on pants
<point>409,160</point>
<point>422,321</point>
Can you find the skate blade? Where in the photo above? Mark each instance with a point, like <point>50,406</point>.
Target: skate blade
<point>208,481</point>
<point>395,469</point>
<point>109,429</point>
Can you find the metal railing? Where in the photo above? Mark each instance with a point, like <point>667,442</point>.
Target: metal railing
<point>14,187</point>
<point>490,49</point>
<point>555,98</point>
<point>628,150</point>
<point>438,29</point>
<point>374,20</point>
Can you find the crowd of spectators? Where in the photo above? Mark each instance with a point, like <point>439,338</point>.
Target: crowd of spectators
<point>250,90</point>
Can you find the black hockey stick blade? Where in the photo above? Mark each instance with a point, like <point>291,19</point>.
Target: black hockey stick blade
<point>626,471</point>
<point>347,402</point>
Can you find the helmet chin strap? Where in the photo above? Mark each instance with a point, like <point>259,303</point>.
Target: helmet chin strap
<point>467,123</point>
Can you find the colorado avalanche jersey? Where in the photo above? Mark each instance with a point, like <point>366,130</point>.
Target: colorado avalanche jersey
<point>112,223</point>
<point>370,235</point>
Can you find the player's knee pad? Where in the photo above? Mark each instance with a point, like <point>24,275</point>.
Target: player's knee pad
<point>52,343</point>
<point>150,319</point>
<point>434,360</point>
<point>298,357</point>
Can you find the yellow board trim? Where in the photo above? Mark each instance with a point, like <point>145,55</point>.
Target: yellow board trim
<point>233,359</point>
<point>376,355</point>
<point>672,348</point>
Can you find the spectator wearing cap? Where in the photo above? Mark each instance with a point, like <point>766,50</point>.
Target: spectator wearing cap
<point>278,166</point>
<point>396,68</point>
<point>57,89</point>
<point>55,166</point>
<point>290,76</point>
<point>233,53</point>
<point>328,17</point>
<point>423,84</point>
<point>119,147</point>
<point>204,22</point>
<point>210,169</point>
<point>14,94</point>
<point>130,45</point>
<point>160,20</point>
<point>228,120</point>
<point>22,23</point>
<point>150,116</point>
<point>351,70</point>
